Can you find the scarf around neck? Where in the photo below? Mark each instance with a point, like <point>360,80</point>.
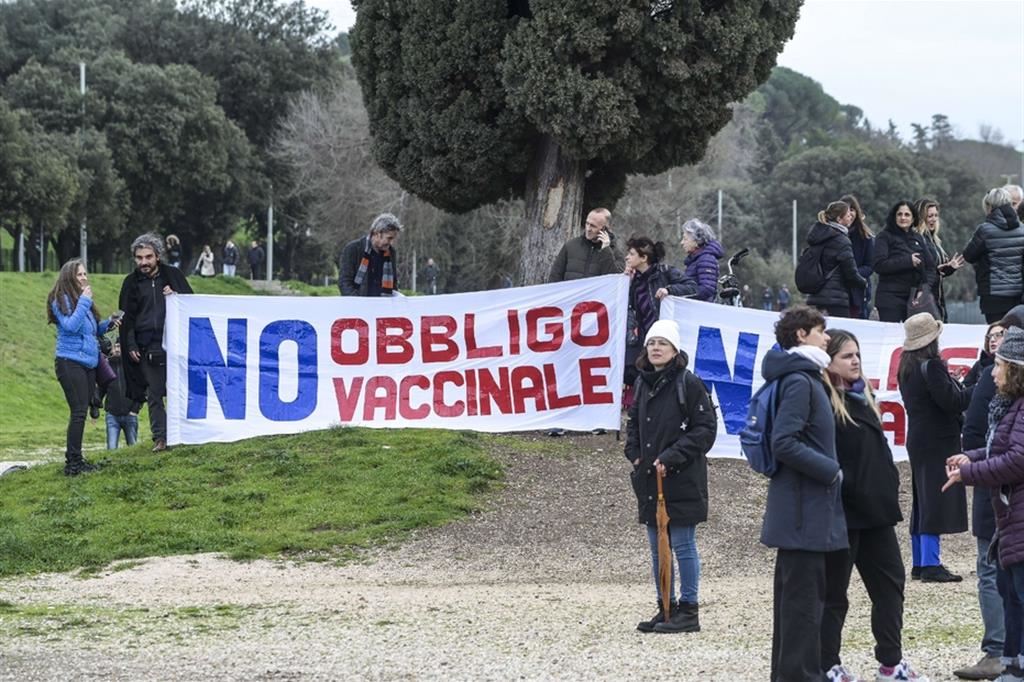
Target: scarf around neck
<point>387,279</point>
<point>812,353</point>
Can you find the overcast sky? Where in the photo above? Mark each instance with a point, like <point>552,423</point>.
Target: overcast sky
<point>902,59</point>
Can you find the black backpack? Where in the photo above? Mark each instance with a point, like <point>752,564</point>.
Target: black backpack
<point>810,274</point>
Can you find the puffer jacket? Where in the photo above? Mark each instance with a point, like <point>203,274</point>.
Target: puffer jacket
<point>77,333</point>
<point>804,510</point>
<point>892,260</point>
<point>702,267</point>
<point>838,263</point>
<point>996,251</point>
<point>581,258</point>
<point>677,435</point>
<point>1001,467</point>
<point>660,276</point>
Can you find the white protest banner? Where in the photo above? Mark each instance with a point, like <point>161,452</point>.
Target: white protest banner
<point>726,346</point>
<point>507,360</point>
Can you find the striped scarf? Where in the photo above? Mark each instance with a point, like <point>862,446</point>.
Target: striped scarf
<point>387,279</point>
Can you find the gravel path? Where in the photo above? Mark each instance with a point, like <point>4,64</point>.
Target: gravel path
<point>546,583</point>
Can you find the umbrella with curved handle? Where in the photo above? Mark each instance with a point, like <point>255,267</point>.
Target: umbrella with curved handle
<point>664,551</point>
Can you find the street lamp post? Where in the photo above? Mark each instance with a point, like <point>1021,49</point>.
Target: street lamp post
<point>83,233</point>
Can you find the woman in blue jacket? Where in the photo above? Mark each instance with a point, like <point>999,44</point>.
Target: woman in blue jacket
<point>69,306</point>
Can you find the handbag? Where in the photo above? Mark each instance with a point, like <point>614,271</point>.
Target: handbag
<point>922,300</point>
<point>104,372</point>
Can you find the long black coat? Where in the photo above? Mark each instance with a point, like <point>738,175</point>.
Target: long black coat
<point>983,517</point>
<point>871,483</point>
<point>934,418</point>
<point>837,259</point>
<point>659,428</point>
<point>896,272</point>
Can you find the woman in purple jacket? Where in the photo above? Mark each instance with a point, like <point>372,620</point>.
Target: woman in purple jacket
<point>702,254</point>
<point>999,466</point>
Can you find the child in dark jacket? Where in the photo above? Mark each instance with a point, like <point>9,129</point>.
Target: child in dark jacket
<point>122,412</point>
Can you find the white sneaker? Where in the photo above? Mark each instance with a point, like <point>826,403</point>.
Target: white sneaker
<point>903,671</point>
<point>839,673</point>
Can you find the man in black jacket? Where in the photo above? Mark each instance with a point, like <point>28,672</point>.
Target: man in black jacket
<point>142,329</point>
<point>367,266</point>
<point>590,254</point>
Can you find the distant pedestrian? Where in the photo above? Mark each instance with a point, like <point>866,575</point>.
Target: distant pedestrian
<point>862,240</point>
<point>702,254</point>
<point>256,256</point>
<point>902,262</point>
<point>173,251</point>
<point>767,298</point>
<point>431,274</point>
<point>69,306</point>
<point>229,258</point>
<point>368,265</point>
<point>997,252</point>
<point>204,266</point>
<point>784,297</point>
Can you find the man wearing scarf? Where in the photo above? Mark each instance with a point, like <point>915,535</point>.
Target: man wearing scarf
<point>367,265</point>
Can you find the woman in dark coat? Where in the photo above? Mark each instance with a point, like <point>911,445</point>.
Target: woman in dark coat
<point>934,402</point>
<point>830,234</point>
<point>862,239</point>
<point>871,486</point>
<point>999,466</point>
<point>672,426</point>
<point>993,336</point>
<point>651,281</point>
<point>902,262</point>
<point>702,254</point>
<point>929,226</point>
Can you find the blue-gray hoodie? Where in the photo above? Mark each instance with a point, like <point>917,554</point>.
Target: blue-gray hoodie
<point>804,509</point>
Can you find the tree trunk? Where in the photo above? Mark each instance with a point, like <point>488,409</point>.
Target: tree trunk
<point>554,208</point>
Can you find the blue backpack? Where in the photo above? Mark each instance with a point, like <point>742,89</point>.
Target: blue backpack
<point>756,436</point>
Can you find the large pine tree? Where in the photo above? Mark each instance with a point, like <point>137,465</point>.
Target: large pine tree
<point>556,101</point>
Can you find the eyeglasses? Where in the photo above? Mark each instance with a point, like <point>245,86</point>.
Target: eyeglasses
<point>995,335</point>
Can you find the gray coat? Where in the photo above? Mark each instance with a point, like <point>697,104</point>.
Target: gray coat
<point>804,509</point>
<point>580,257</point>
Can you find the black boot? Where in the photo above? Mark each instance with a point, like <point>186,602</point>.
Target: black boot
<point>76,464</point>
<point>683,620</point>
<point>659,617</point>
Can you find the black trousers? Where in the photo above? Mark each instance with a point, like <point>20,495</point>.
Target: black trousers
<point>892,313</point>
<point>154,370</point>
<point>876,554</point>
<point>78,383</point>
<point>801,580</point>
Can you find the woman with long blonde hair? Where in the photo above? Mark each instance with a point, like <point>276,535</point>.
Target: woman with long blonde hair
<point>929,226</point>
<point>870,496</point>
<point>69,306</point>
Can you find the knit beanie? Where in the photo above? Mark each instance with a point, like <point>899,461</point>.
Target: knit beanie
<point>1012,348</point>
<point>665,329</point>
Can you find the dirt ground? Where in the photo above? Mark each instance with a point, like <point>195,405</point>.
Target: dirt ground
<point>547,582</point>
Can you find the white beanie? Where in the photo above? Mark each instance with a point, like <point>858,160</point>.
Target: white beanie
<point>665,329</point>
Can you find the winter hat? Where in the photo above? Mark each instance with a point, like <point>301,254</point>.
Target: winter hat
<point>1012,349</point>
<point>920,329</point>
<point>1014,318</point>
<point>665,329</point>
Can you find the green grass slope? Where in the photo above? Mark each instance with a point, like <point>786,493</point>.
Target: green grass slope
<point>312,495</point>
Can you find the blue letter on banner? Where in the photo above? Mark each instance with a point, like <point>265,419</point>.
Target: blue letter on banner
<point>733,389</point>
<point>271,405</point>
<point>226,375</point>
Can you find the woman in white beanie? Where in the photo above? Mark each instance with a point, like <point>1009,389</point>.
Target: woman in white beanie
<point>671,427</point>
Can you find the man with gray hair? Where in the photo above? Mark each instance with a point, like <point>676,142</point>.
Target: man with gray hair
<point>367,265</point>
<point>142,329</point>
<point>1016,195</point>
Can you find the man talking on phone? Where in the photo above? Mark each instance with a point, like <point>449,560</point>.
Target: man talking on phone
<point>142,329</point>
<point>592,253</point>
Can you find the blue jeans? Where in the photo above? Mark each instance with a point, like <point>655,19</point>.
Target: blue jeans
<point>683,540</point>
<point>990,601</point>
<point>129,423</point>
